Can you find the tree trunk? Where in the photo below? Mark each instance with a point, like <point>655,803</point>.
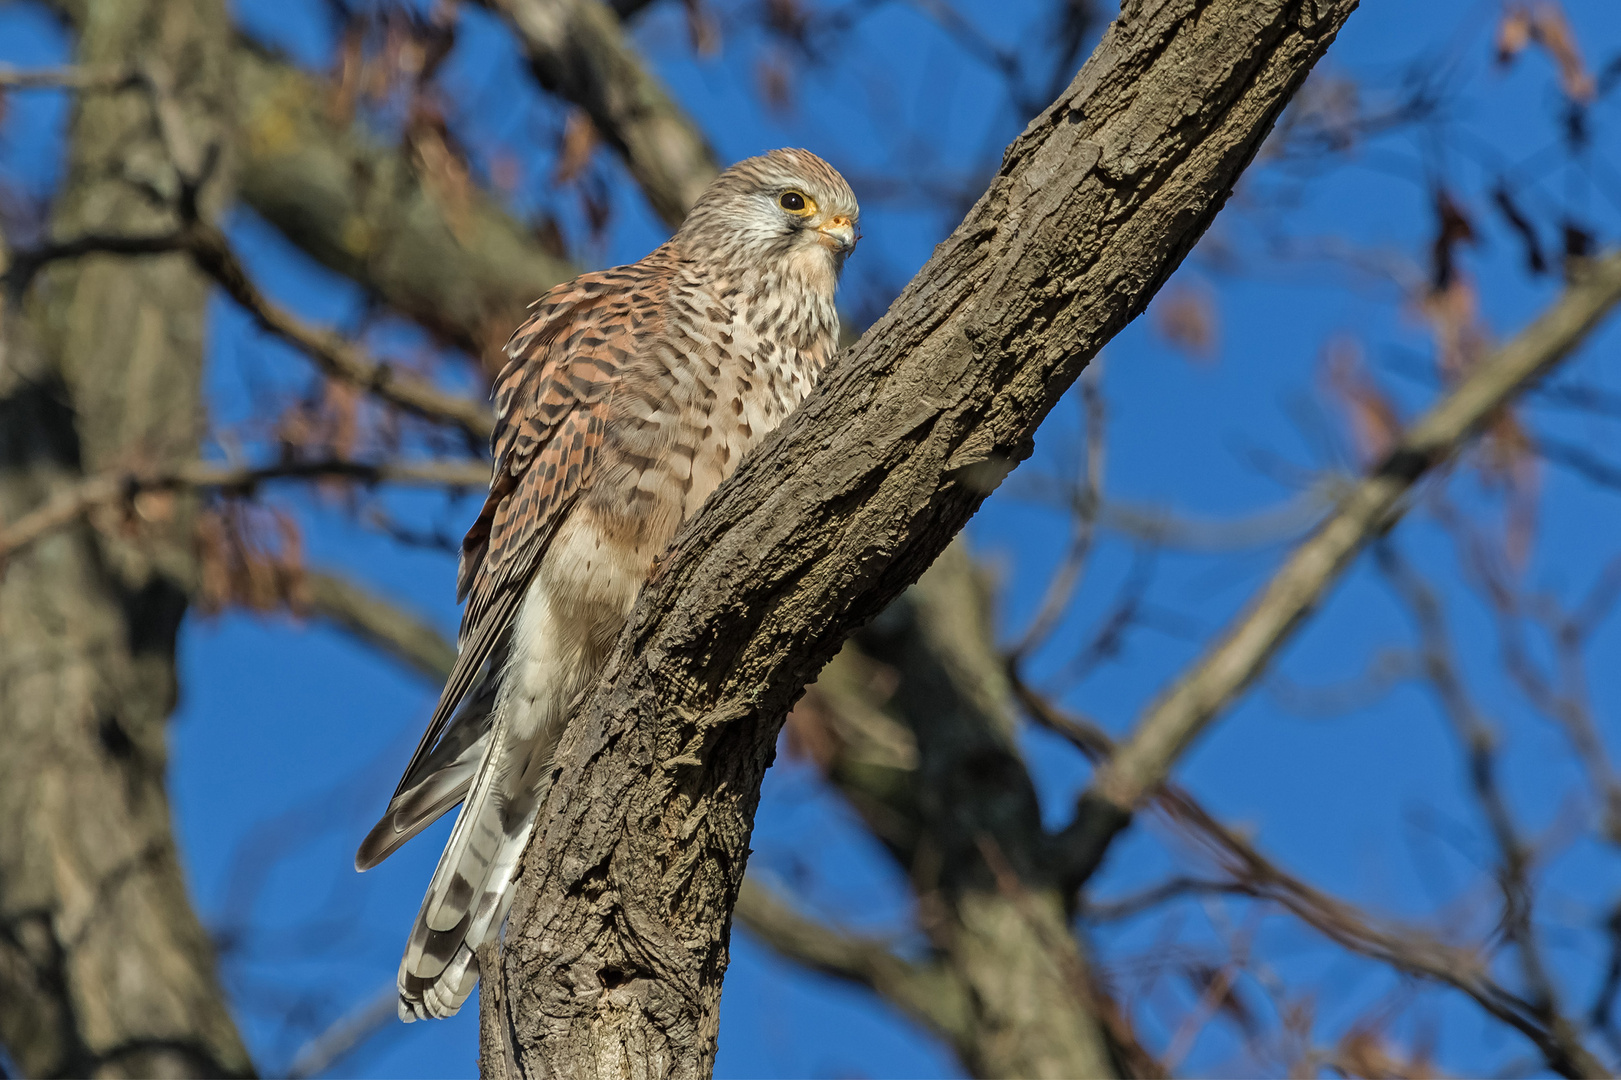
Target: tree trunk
<point>105,969</point>
<point>979,869</point>
<point>617,942</point>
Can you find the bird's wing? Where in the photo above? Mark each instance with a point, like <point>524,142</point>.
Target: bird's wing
<point>439,780</point>
<point>551,412</point>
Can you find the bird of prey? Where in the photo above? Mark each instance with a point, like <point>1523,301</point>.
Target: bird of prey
<point>629,394</point>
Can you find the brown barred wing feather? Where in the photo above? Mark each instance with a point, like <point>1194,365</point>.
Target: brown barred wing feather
<point>551,411</point>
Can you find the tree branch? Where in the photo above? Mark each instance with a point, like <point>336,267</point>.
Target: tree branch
<point>462,266</point>
<point>24,264</point>
<point>345,1035</point>
<point>930,993</point>
<point>578,51</point>
<point>1243,650</point>
<point>1085,500</point>
<point>1479,743</point>
<point>970,837</point>
<point>331,353</point>
<point>380,623</point>
<point>1404,948</point>
<point>67,78</point>
<point>617,938</point>
<point>73,503</point>
<point>338,358</point>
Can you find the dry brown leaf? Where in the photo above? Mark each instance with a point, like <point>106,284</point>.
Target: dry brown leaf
<point>506,171</point>
<point>702,28</point>
<point>1374,421</point>
<point>1513,33</point>
<point>1453,314</point>
<point>341,401</point>
<point>549,235</point>
<point>575,148</point>
<point>350,73</point>
<point>155,507</point>
<point>328,426</point>
<point>1365,1052</point>
<point>1185,316</point>
<point>250,556</point>
<point>1535,261</point>
<point>441,165</point>
<point>1578,242</point>
<point>1508,462</point>
<point>1552,30</point>
<point>403,50</point>
<point>596,202</point>
<point>787,18</point>
<point>1544,23</point>
<point>1453,229</point>
<point>810,733</point>
<point>776,81</point>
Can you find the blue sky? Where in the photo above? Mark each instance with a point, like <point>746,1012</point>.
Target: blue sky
<point>289,736</point>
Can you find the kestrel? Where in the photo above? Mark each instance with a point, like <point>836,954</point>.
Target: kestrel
<point>628,396</point>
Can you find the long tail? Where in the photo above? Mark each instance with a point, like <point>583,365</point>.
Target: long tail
<point>471,890</point>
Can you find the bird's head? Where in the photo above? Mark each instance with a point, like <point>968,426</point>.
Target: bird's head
<point>786,205</point>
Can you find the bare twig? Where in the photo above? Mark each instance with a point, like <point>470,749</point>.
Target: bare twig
<point>345,1034</point>
<point>1514,856</point>
<point>1404,948</point>
<point>28,262</point>
<point>1564,698</point>
<point>1216,993</point>
<point>1089,493</point>
<point>1163,527</point>
<point>1600,1014</point>
<point>1579,460</point>
<point>73,503</point>
<point>338,358</point>
<point>1174,888</point>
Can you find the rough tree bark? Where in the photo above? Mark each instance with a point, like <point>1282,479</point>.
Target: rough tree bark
<point>617,943</point>
<point>104,969</point>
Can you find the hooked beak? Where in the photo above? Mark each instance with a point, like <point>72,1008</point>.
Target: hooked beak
<point>838,234</point>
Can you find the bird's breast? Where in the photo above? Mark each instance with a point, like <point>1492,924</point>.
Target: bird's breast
<point>727,371</point>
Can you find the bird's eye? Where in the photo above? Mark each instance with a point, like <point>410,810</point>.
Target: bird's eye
<point>792,200</point>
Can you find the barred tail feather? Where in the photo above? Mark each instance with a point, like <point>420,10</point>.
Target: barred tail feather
<point>471,890</point>
<point>443,994</point>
